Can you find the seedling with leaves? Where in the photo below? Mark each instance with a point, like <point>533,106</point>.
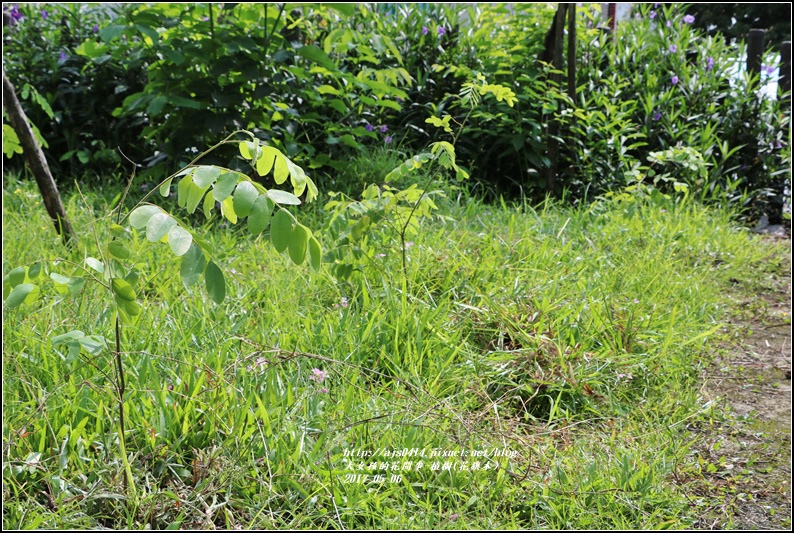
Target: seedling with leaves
<point>353,223</point>
<point>234,193</point>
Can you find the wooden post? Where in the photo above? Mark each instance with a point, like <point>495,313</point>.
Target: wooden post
<point>572,51</point>
<point>554,80</point>
<point>36,161</point>
<point>784,84</point>
<point>755,50</point>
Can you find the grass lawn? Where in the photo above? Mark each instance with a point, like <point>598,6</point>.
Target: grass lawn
<point>538,368</point>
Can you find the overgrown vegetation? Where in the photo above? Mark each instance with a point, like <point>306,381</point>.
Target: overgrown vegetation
<point>446,362</point>
<point>570,339</point>
<point>326,84</point>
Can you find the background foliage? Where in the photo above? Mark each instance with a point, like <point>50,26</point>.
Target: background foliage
<point>326,84</point>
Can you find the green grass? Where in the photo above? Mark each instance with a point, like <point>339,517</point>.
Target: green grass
<point>572,338</point>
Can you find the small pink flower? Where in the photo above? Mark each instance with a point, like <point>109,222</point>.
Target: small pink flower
<point>318,376</point>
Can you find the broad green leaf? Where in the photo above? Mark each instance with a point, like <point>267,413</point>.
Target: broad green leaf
<point>315,254</point>
<point>117,249</point>
<point>193,263</point>
<point>193,196</point>
<point>259,217</point>
<point>58,278</point>
<point>244,196</point>
<point>179,239</point>
<point>311,190</point>
<point>129,308</point>
<point>16,276</point>
<point>140,216</point>
<point>283,197</point>
<point>247,149</point>
<point>93,344</point>
<point>209,203</point>
<point>165,188</point>
<point>266,159</point>
<point>216,285</point>
<point>117,230</point>
<point>346,9</point>
<point>75,286</point>
<point>132,278</point>
<point>281,171</point>
<point>205,176</point>
<point>182,190</point>
<point>280,230</point>
<point>227,210</point>
<point>224,186</point>
<point>297,178</point>
<point>34,271</point>
<point>314,54</point>
<point>159,226</point>
<point>123,290</point>
<point>95,264</point>
<point>64,338</point>
<point>20,294</point>
<point>298,243</point>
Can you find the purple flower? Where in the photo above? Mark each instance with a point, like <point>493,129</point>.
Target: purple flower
<point>674,80</point>
<point>424,30</point>
<point>44,14</point>
<point>636,301</point>
<point>673,48</point>
<point>343,302</point>
<point>14,12</point>
<point>369,127</point>
<point>388,139</point>
<point>769,69</point>
<point>778,145</point>
<point>95,28</point>
<point>689,19</point>
<point>657,116</point>
<point>400,100</point>
<point>384,129</point>
<point>318,376</point>
<point>324,390</point>
<point>669,23</point>
<point>144,186</point>
<point>442,30</point>
<point>206,19</point>
<point>709,63</point>
<point>653,15</point>
<point>63,57</point>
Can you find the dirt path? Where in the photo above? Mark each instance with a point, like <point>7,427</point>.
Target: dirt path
<point>745,459</point>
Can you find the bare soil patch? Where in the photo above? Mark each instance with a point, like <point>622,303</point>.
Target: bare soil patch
<point>745,459</point>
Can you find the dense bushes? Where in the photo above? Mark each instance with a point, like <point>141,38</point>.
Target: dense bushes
<point>327,84</point>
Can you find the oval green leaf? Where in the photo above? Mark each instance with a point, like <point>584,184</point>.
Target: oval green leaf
<point>117,249</point>
<point>16,276</point>
<point>123,290</point>
<point>280,230</point>
<point>159,226</point>
<point>315,254</point>
<point>298,243</point>
<point>283,197</point>
<point>95,264</point>
<point>216,285</point>
<point>244,197</point>
<point>140,215</point>
<point>165,188</point>
<point>193,264</point>
<point>224,186</point>
<point>204,176</point>
<point>180,240</point>
<point>20,294</point>
<point>259,217</point>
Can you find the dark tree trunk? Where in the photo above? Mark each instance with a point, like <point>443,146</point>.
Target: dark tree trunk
<point>555,79</point>
<point>36,162</point>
